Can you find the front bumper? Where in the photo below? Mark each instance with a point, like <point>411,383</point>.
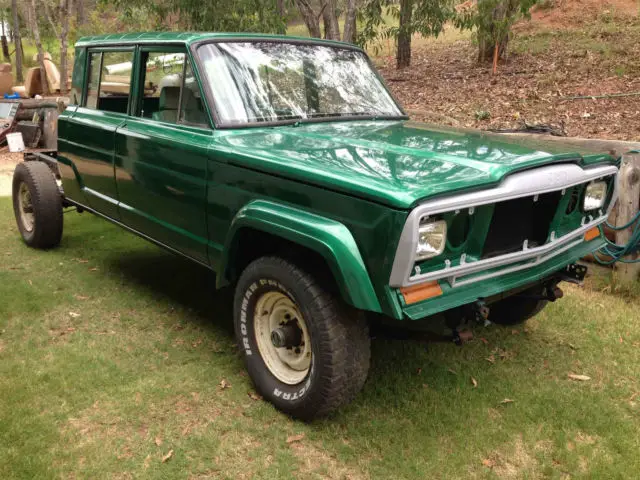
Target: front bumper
<point>459,295</point>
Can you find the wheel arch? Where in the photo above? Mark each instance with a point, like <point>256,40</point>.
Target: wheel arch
<point>264,227</point>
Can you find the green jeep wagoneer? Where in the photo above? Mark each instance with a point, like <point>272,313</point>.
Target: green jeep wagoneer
<point>286,167</point>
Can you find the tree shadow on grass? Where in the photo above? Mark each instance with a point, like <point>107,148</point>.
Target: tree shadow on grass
<point>177,281</point>
<point>180,282</point>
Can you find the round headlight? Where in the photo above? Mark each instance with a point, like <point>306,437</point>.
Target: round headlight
<point>594,196</point>
<point>432,237</point>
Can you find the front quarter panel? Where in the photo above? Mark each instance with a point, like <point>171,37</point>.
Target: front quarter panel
<point>331,239</point>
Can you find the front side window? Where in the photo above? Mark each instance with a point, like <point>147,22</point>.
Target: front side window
<point>255,82</point>
<point>192,110</point>
<point>162,81</point>
<point>170,91</point>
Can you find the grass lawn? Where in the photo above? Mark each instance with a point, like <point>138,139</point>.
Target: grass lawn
<point>112,353</point>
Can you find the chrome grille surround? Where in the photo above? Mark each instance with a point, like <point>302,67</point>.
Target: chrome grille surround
<point>522,184</point>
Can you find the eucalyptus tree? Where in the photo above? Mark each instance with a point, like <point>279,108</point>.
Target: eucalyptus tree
<point>211,15</point>
<point>425,17</point>
<point>492,21</point>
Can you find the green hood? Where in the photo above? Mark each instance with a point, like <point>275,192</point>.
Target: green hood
<point>396,163</point>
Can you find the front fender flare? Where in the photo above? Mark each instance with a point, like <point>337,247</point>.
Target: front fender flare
<point>329,238</point>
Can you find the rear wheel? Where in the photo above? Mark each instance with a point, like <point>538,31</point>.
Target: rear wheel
<point>518,308</point>
<point>37,205</point>
<point>305,351</point>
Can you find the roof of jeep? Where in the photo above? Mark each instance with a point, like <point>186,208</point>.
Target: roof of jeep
<point>187,38</point>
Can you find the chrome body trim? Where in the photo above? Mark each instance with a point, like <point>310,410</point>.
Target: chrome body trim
<point>541,180</point>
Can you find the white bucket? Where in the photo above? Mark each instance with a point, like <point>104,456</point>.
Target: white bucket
<point>15,141</point>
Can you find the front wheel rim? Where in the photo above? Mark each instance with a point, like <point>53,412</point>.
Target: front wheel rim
<point>274,312</point>
<point>25,207</point>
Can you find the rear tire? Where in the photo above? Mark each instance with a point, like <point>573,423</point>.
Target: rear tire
<point>274,294</point>
<point>37,205</point>
<point>518,308</point>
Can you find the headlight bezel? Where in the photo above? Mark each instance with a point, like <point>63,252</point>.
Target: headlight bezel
<point>437,228</point>
<point>596,194</point>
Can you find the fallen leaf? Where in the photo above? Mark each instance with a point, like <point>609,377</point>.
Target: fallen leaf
<point>506,400</point>
<point>167,456</point>
<point>147,461</point>
<point>419,371</point>
<point>295,438</point>
<point>81,297</point>
<point>93,269</point>
<point>82,260</point>
<point>74,314</point>
<point>484,340</point>
<point>158,441</point>
<point>474,382</point>
<point>487,462</point>
<point>254,396</point>
<point>224,384</point>
<point>491,359</point>
<point>452,371</point>
<point>582,378</point>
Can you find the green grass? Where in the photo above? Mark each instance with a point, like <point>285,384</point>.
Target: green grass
<point>110,346</point>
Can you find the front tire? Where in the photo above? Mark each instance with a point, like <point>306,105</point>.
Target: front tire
<point>37,205</point>
<point>305,350</point>
<point>519,308</point>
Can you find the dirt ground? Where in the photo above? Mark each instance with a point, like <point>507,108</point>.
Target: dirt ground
<point>579,48</point>
<point>8,162</point>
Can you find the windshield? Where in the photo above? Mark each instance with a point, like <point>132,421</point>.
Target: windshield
<point>255,82</point>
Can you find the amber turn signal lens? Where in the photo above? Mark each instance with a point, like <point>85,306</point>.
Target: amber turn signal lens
<point>591,234</point>
<point>418,293</point>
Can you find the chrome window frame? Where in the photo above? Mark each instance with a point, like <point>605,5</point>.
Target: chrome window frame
<point>532,182</point>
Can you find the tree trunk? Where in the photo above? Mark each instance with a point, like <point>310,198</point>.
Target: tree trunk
<point>310,18</point>
<point>489,33</point>
<point>35,29</point>
<point>486,49</point>
<point>3,40</point>
<point>280,8</point>
<point>403,54</point>
<point>80,16</point>
<point>628,207</point>
<point>330,19</point>
<point>16,40</point>
<point>349,33</point>
<point>65,8</point>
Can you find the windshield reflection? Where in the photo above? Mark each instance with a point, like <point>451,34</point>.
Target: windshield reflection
<point>257,82</point>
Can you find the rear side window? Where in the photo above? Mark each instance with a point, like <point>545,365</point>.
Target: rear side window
<point>93,83</point>
<point>109,84</point>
